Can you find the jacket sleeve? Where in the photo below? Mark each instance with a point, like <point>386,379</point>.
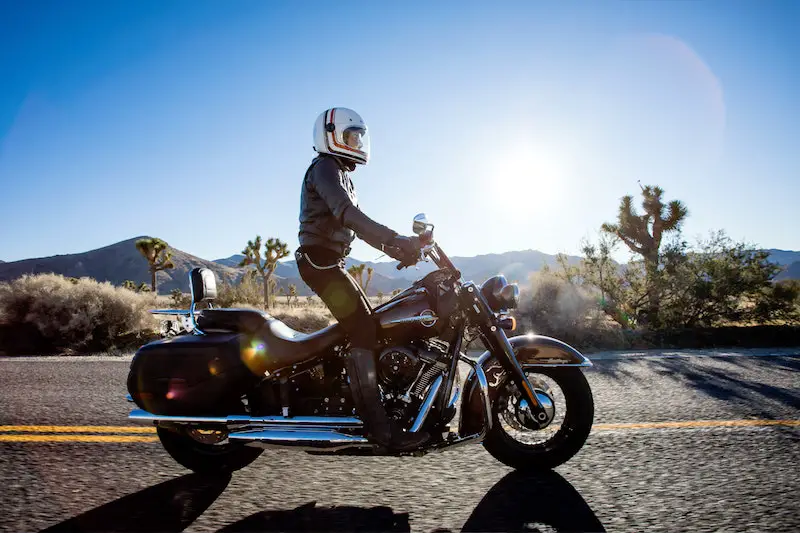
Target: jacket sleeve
<point>329,182</point>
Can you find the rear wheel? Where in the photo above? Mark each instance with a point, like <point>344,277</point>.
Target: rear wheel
<point>512,439</point>
<point>206,450</point>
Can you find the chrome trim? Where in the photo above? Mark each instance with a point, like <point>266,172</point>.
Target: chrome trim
<point>140,415</point>
<point>308,439</point>
<point>547,405</point>
<point>477,369</point>
<point>171,312</point>
<point>195,328</point>
<point>426,405</point>
<point>585,364</point>
<point>487,403</point>
<point>455,397</point>
<point>426,320</point>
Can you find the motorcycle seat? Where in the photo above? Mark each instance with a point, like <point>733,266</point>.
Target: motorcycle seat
<point>282,346</point>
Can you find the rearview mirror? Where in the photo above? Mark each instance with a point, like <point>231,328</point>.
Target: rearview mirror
<point>420,224</point>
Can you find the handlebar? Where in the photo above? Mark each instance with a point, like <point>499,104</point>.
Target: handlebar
<point>430,250</point>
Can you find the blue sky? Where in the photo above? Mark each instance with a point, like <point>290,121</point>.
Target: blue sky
<point>513,125</point>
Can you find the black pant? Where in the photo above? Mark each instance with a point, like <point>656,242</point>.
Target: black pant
<point>324,272</point>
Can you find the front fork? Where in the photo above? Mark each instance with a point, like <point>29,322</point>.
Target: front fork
<point>496,341</point>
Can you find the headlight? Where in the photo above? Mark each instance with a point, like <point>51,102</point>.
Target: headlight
<point>500,294</point>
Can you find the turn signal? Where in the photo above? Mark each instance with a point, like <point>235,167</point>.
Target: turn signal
<point>507,322</point>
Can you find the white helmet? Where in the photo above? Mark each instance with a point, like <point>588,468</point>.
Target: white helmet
<point>341,132</point>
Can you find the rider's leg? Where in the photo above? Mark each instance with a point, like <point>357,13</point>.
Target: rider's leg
<point>348,303</point>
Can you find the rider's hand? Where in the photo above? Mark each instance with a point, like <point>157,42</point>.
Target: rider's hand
<point>404,249</point>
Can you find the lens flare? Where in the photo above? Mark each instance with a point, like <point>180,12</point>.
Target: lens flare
<point>255,357</point>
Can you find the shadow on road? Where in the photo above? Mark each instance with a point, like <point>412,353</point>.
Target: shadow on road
<point>533,502</point>
<point>518,502</point>
<point>309,517</point>
<point>168,506</point>
<point>731,385</point>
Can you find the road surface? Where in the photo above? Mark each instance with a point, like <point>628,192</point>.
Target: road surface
<point>679,443</point>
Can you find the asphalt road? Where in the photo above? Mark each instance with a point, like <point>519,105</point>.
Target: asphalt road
<point>653,463</point>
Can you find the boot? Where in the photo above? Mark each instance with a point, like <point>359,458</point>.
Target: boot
<point>361,368</point>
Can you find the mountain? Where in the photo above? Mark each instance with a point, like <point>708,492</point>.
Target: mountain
<point>117,263</point>
<point>788,259</point>
<point>121,261</point>
<point>516,266</point>
<point>283,270</point>
<point>783,257</point>
<point>792,272</point>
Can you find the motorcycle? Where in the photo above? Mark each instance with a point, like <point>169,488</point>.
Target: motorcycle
<point>241,381</point>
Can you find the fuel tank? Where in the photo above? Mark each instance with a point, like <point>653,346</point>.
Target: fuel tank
<point>408,317</point>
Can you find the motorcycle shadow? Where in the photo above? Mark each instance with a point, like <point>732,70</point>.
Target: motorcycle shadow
<point>543,501</point>
<point>169,506</point>
<point>518,502</point>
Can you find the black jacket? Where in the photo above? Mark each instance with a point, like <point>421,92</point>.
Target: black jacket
<point>329,213</point>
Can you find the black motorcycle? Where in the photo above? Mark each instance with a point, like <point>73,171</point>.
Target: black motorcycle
<point>241,381</point>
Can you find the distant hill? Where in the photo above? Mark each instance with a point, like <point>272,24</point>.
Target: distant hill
<point>121,261</point>
<point>792,272</point>
<point>783,257</point>
<point>115,264</point>
<point>516,266</point>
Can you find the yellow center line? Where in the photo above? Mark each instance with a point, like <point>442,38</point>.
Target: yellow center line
<point>45,433</point>
<point>697,424</point>
<point>76,438</point>
<point>77,429</point>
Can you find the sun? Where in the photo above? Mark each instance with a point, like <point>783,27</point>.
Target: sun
<point>525,181</point>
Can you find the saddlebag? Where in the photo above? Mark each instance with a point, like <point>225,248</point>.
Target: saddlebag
<point>192,374</point>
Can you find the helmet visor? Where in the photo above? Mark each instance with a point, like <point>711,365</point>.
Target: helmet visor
<point>357,138</point>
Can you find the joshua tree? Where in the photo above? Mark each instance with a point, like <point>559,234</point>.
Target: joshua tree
<point>293,293</point>
<point>129,284</point>
<point>369,278</point>
<point>274,250</point>
<point>158,256</point>
<point>643,234</point>
<point>357,271</point>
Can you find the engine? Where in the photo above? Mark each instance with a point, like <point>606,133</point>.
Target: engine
<point>404,373</point>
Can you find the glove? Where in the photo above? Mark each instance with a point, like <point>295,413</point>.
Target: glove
<point>403,249</point>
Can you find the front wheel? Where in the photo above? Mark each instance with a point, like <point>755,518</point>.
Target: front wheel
<point>512,439</point>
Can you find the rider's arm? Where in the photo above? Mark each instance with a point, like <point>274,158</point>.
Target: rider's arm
<point>329,182</point>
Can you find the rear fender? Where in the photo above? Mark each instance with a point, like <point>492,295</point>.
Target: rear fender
<point>531,351</point>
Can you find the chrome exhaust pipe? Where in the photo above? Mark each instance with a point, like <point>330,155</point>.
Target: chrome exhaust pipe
<point>299,439</point>
<point>295,422</point>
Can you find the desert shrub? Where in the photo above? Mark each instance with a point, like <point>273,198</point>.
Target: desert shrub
<point>719,282</point>
<point>304,320</point>
<point>248,291</point>
<point>567,311</point>
<point>48,313</point>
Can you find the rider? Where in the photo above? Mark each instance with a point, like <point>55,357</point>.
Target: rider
<point>329,221</point>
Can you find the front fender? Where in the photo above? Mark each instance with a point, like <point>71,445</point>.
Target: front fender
<point>538,350</point>
<point>531,351</point>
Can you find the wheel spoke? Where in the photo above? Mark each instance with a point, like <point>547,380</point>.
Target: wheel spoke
<point>510,418</point>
